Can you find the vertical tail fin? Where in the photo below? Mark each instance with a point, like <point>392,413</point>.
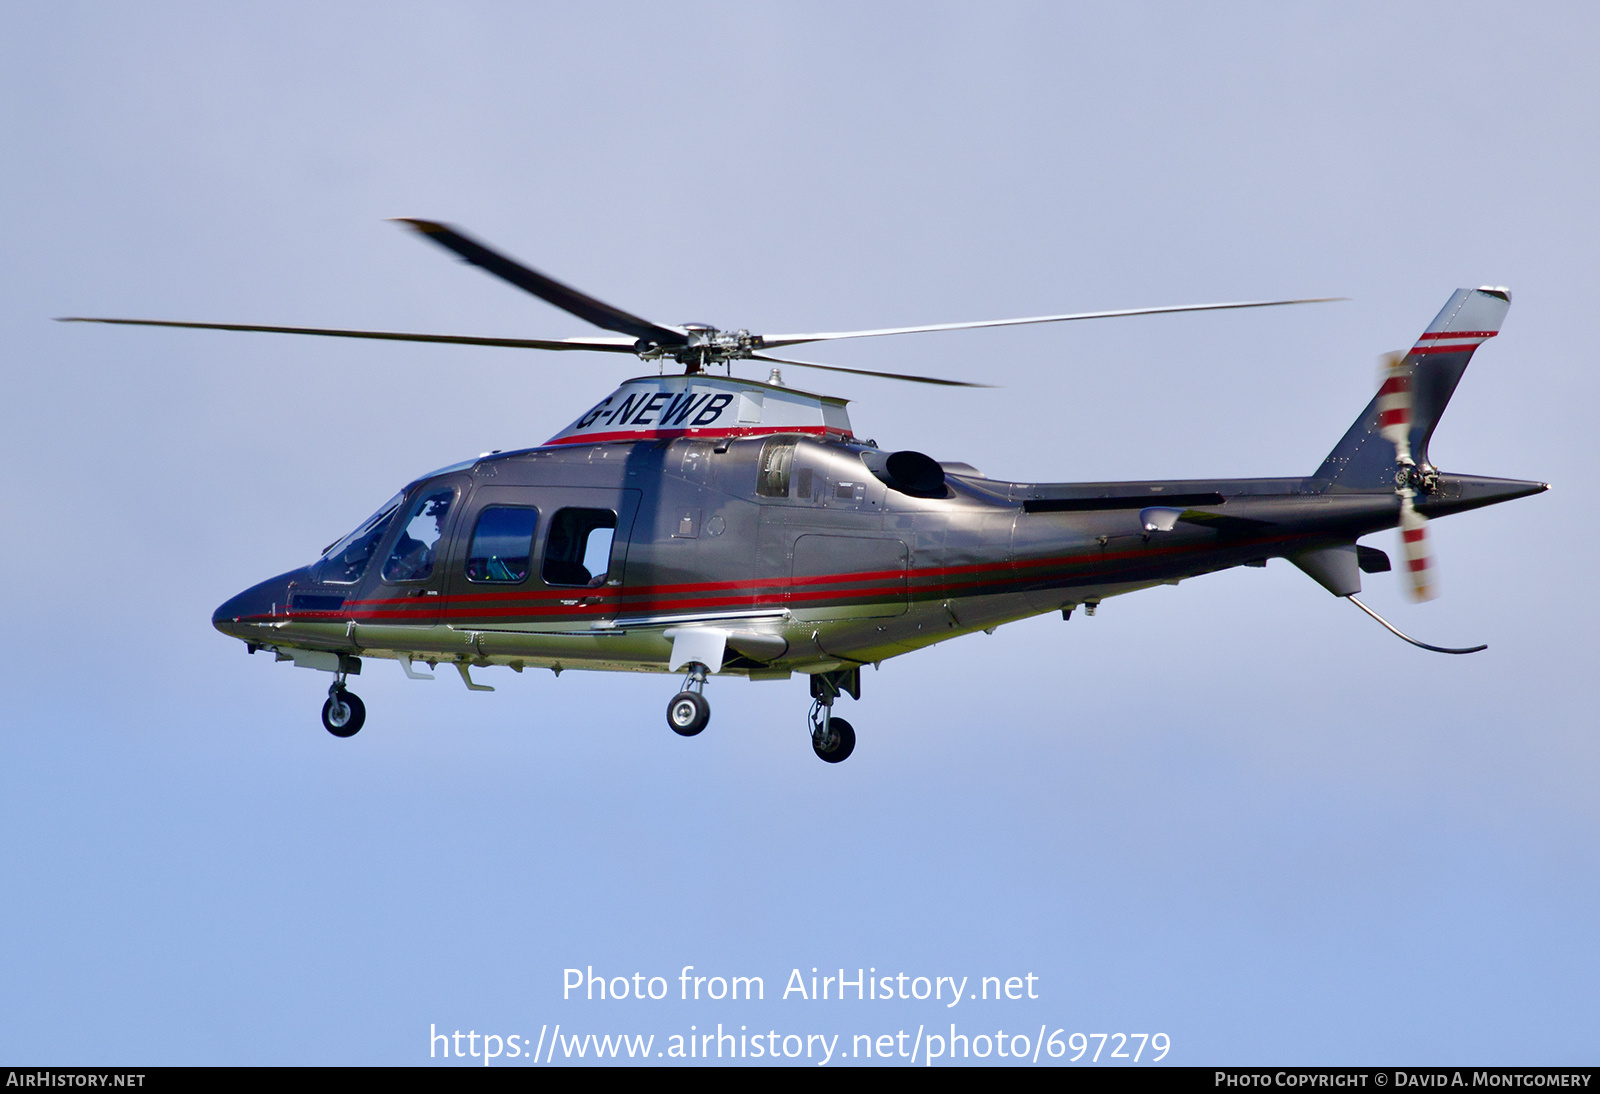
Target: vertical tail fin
<point>1364,459</point>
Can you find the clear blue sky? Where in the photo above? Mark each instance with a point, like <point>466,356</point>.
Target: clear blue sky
<point>1234,811</point>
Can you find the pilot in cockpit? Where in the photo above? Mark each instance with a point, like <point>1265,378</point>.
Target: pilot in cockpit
<point>413,557</point>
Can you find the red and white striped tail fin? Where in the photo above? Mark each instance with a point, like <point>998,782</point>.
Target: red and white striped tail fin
<point>1414,388</point>
<point>1471,317</point>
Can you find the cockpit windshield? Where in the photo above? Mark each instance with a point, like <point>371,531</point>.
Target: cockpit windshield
<point>346,561</point>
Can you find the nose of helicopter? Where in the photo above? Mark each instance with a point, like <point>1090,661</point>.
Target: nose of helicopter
<point>259,602</point>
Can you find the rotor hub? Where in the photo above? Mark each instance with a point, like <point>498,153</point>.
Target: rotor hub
<point>1423,478</point>
<point>703,346</point>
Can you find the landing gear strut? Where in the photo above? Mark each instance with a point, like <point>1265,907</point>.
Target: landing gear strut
<point>832,739</point>
<point>689,712</point>
<point>344,712</point>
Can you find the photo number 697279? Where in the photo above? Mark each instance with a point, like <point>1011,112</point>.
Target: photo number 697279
<point>1160,1044</point>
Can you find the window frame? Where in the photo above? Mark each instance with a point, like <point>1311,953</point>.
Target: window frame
<point>379,521</point>
<point>533,543</point>
<point>546,558</point>
<point>440,547</point>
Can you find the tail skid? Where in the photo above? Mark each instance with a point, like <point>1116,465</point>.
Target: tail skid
<point>1398,633</point>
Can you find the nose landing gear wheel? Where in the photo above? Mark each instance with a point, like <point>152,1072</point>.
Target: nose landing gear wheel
<point>343,713</point>
<point>688,713</point>
<point>838,744</point>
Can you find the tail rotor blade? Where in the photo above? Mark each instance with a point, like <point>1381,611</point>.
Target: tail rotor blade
<point>1419,555</point>
<point>1394,422</point>
<point>1394,403</point>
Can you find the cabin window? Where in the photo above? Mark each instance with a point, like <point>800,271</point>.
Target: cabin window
<point>416,550</point>
<point>346,560</point>
<point>578,551</point>
<point>772,477</point>
<point>502,543</point>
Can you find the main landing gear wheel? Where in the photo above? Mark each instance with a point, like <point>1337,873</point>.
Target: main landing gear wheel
<point>688,713</point>
<point>837,743</point>
<point>343,713</point>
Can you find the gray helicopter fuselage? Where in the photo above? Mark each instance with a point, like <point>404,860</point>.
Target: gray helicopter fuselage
<point>809,559</point>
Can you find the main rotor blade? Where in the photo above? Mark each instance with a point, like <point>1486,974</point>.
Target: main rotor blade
<point>868,372</point>
<point>545,288</point>
<point>780,340</point>
<point>606,345</point>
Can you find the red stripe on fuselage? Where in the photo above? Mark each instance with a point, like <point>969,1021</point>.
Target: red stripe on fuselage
<point>923,584</point>
<point>607,592</point>
<point>917,584</point>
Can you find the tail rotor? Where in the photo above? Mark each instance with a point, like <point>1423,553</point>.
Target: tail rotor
<point>1397,374</point>
<point>1396,385</point>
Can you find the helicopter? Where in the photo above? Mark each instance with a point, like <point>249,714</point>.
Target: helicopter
<point>712,525</point>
